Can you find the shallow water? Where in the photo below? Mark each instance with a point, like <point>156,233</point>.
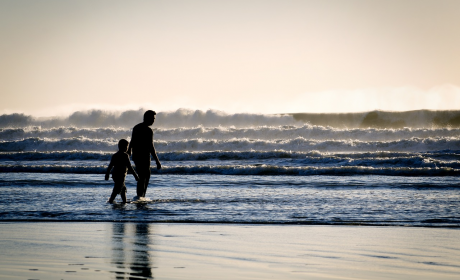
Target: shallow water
<point>335,200</point>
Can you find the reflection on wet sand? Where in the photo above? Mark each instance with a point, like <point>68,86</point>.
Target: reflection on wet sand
<point>130,251</point>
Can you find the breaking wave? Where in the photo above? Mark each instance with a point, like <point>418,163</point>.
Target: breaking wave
<point>445,158</point>
<point>298,144</point>
<point>225,133</point>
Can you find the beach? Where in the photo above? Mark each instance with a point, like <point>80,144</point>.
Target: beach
<point>256,139</point>
<point>62,250</point>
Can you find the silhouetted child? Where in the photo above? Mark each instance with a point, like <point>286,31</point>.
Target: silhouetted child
<point>120,164</point>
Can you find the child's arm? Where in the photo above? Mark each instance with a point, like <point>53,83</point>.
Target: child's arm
<point>107,173</point>
<point>130,168</point>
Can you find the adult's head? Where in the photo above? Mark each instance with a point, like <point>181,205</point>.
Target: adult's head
<point>149,117</point>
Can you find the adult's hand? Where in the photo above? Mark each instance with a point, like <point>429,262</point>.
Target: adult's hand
<point>158,165</point>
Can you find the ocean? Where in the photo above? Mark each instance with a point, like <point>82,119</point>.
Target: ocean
<point>373,168</point>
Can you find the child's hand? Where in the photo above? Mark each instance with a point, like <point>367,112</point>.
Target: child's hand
<point>158,165</point>
<point>136,177</point>
<point>107,177</point>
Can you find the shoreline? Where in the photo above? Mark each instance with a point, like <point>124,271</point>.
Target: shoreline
<point>120,250</point>
<point>350,224</point>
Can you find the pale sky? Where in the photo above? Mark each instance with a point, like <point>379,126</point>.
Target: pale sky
<point>236,56</point>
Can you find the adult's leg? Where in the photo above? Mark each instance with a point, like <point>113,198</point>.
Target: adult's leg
<point>143,171</point>
<point>146,182</point>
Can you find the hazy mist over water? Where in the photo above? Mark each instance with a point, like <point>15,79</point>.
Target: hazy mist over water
<point>215,118</point>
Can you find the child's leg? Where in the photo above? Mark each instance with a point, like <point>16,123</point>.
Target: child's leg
<point>123,196</point>
<point>113,195</point>
<point>116,190</point>
<point>123,191</point>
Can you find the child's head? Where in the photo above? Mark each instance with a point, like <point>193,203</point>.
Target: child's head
<point>123,145</point>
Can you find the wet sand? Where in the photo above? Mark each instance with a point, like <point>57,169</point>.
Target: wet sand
<point>63,250</point>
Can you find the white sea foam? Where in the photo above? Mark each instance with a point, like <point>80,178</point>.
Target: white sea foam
<point>137,199</point>
<point>431,159</point>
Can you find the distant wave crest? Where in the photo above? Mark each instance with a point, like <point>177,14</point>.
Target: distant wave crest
<point>263,169</point>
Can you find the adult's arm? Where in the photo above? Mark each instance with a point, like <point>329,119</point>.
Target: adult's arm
<point>155,157</point>
<point>130,168</point>
<point>130,147</point>
<point>154,154</point>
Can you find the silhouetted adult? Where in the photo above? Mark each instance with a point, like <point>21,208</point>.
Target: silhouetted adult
<point>141,147</point>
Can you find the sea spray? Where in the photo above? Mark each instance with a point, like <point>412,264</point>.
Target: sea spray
<point>214,118</point>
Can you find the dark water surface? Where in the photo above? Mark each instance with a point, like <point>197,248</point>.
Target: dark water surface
<point>335,200</point>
